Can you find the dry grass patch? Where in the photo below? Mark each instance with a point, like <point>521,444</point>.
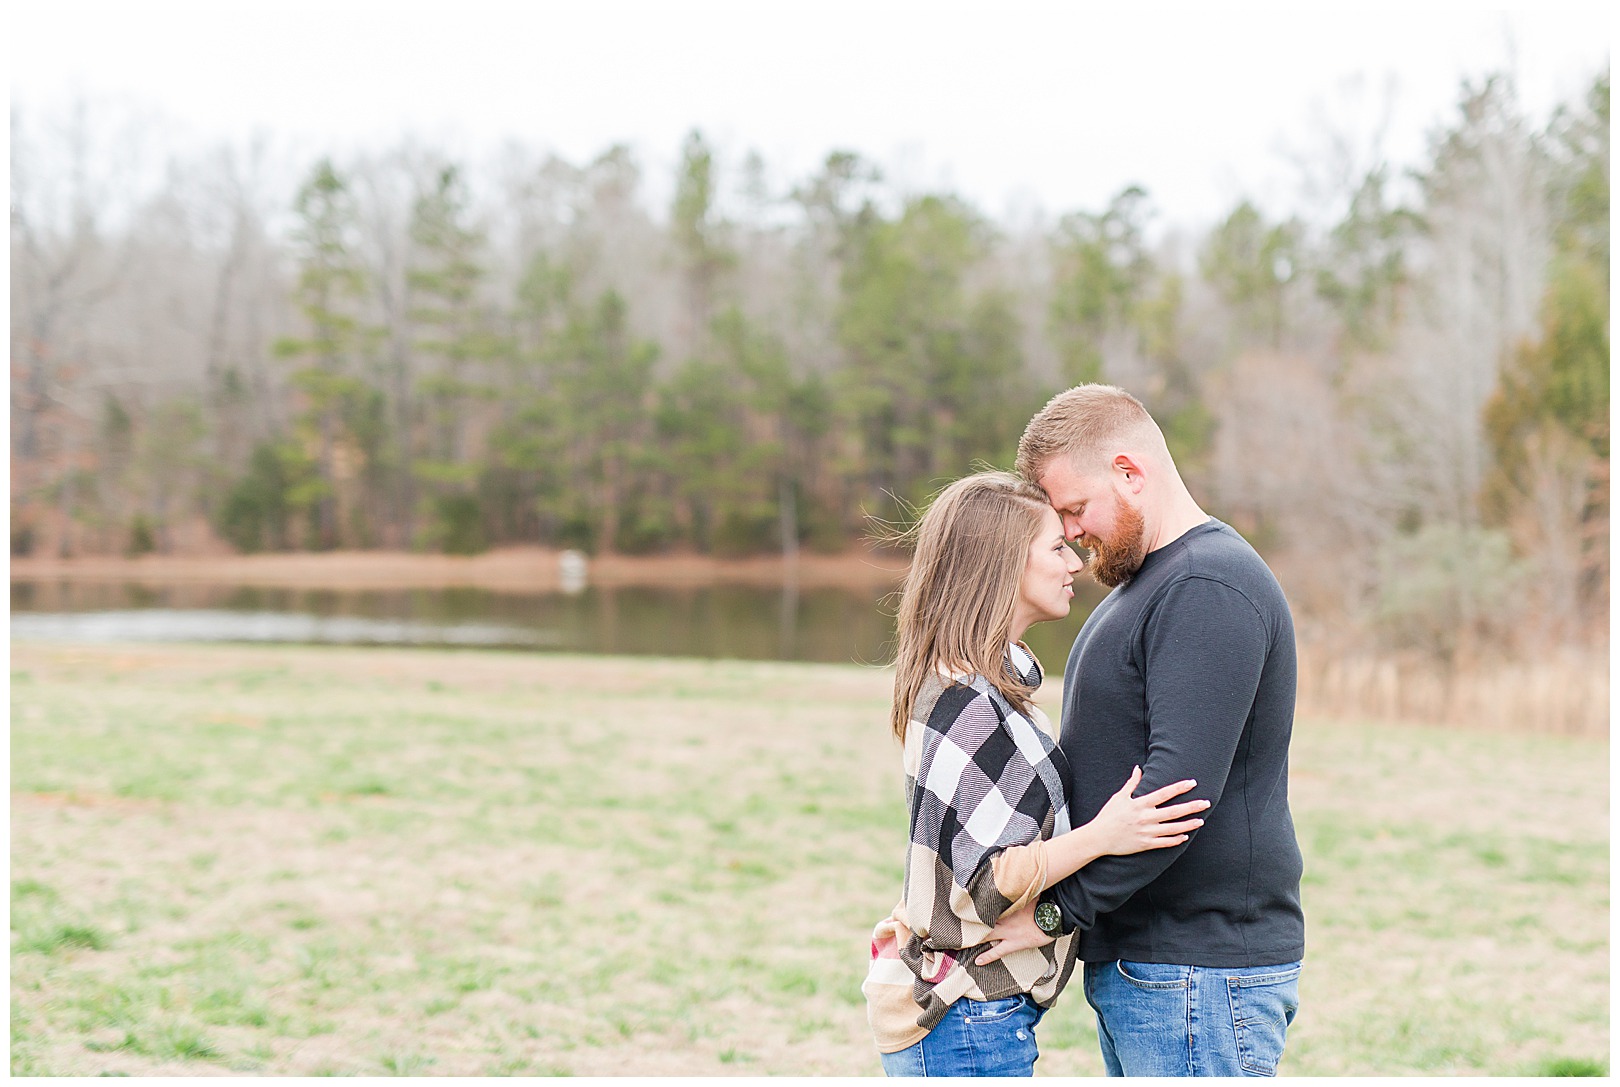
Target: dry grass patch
<point>308,861</point>
<point>1562,690</point>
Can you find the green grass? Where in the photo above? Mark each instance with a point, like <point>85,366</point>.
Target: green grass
<point>1571,1066</point>
<point>286,861</point>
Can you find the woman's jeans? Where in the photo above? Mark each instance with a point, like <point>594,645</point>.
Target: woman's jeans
<point>1155,1019</point>
<point>976,1038</point>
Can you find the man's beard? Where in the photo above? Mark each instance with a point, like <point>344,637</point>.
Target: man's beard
<point>1112,562</point>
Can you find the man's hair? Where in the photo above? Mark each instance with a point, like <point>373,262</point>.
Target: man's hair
<point>1082,424</point>
<point>956,607</point>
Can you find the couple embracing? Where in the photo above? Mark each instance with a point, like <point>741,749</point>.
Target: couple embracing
<point>1149,840</point>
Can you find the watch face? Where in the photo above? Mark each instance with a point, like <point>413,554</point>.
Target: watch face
<point>1048,918</point>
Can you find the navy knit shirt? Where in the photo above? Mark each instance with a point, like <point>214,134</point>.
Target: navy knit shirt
<point>1188,670</point>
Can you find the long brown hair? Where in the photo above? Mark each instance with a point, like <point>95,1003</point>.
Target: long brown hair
<point>956,607</point>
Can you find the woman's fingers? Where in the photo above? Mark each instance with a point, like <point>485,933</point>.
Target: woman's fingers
<point>1160,795</point>
<point>1178,811</point>
<point>1166,843</point>
<point>1131,782</point>
<point>1172,829</point>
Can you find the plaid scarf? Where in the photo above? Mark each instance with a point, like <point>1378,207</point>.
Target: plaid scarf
<point>984,785</point>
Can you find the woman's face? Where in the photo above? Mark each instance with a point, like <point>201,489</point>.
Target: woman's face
<point>1047,587</point>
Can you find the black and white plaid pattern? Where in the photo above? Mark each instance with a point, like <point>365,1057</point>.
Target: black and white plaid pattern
<point>988,778</point>
<point>981,778</point>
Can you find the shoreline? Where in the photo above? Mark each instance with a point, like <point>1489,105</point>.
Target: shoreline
<point>511,569</point>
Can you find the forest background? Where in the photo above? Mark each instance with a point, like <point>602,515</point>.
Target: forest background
<point>330,358</point>
<point>1401,396</point>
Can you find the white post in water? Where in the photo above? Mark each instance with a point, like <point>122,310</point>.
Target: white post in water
<point>571,572</point>
<point>787,509</point>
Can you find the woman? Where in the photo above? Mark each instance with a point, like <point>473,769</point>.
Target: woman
<point>984,784</point>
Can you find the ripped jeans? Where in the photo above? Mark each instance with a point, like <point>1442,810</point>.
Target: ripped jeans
<point>976,1038</point>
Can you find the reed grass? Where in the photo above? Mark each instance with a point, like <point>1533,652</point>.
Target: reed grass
<point>1564,691</point>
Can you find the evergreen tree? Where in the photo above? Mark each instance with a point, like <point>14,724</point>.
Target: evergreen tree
<point>1364,267</point>
<point>453,331</point>
<point>522,486</point>
<point>1101,278</point>
<point>1547,423</point>
<point>1251,263</point>
<point>933,377</point>
<point>328,295</point>
<point>602,378</point>
<point>697,232</point>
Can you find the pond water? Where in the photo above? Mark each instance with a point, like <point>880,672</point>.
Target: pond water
<point>726,621</point>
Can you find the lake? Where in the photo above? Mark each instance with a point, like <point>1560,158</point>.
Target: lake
<point>721,621</point>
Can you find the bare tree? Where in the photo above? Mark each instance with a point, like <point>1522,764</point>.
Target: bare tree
<point>1479,276</point>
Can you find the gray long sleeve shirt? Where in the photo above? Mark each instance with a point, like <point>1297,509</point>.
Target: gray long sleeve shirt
<point>1188,670</point>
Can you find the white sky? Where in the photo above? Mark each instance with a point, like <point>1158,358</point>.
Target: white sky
<point>1010,104</point>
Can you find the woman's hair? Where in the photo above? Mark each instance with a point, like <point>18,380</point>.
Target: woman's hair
<point>956,606</point>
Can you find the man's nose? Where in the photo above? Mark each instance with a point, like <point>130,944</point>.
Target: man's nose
<point>1071,527</point>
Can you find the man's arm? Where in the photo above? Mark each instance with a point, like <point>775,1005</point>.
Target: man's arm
<point>1204,649</point>
<point>1126,824</point>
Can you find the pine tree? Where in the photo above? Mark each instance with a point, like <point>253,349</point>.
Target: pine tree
<point>328,295</point>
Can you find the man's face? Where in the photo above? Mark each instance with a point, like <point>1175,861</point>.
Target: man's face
<point>1097,517</point>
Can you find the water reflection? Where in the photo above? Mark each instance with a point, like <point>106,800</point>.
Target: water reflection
<point>726,621</point>
<point>175,625</point>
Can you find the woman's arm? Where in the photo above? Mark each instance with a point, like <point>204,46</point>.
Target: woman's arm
<point>974,856</point>
<point>1126,824</point>
<point>974,853</point>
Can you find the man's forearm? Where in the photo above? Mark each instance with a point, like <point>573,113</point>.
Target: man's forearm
<point>1106,883</point>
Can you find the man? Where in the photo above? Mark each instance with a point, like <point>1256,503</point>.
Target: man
<point>1187,669</point>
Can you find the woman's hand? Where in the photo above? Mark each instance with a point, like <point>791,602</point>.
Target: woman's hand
<point>1014,932</point>
<point>1130,824</point>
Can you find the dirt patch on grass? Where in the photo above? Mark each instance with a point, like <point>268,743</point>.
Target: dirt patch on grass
<point>83,800</point>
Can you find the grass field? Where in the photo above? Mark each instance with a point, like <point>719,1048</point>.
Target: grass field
<point>332,861</point>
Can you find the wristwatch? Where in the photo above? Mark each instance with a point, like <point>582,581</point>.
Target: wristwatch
<point>1048,918</point>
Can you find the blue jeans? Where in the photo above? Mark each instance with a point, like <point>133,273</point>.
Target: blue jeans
<point>1160,1020</point>
<point>976,1038</point>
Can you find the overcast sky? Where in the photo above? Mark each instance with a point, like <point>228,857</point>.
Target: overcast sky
<point>1012,104</point>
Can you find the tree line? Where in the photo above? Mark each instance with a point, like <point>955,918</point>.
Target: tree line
<point>1402,393</point>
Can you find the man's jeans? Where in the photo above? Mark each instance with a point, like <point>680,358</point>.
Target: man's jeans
<point>976,1038</point>
<point>1160,1020</point>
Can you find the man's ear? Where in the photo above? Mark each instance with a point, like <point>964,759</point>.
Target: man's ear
<point>1128,471</point>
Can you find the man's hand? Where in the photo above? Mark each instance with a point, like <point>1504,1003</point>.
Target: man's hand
<point>1014,932</point>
